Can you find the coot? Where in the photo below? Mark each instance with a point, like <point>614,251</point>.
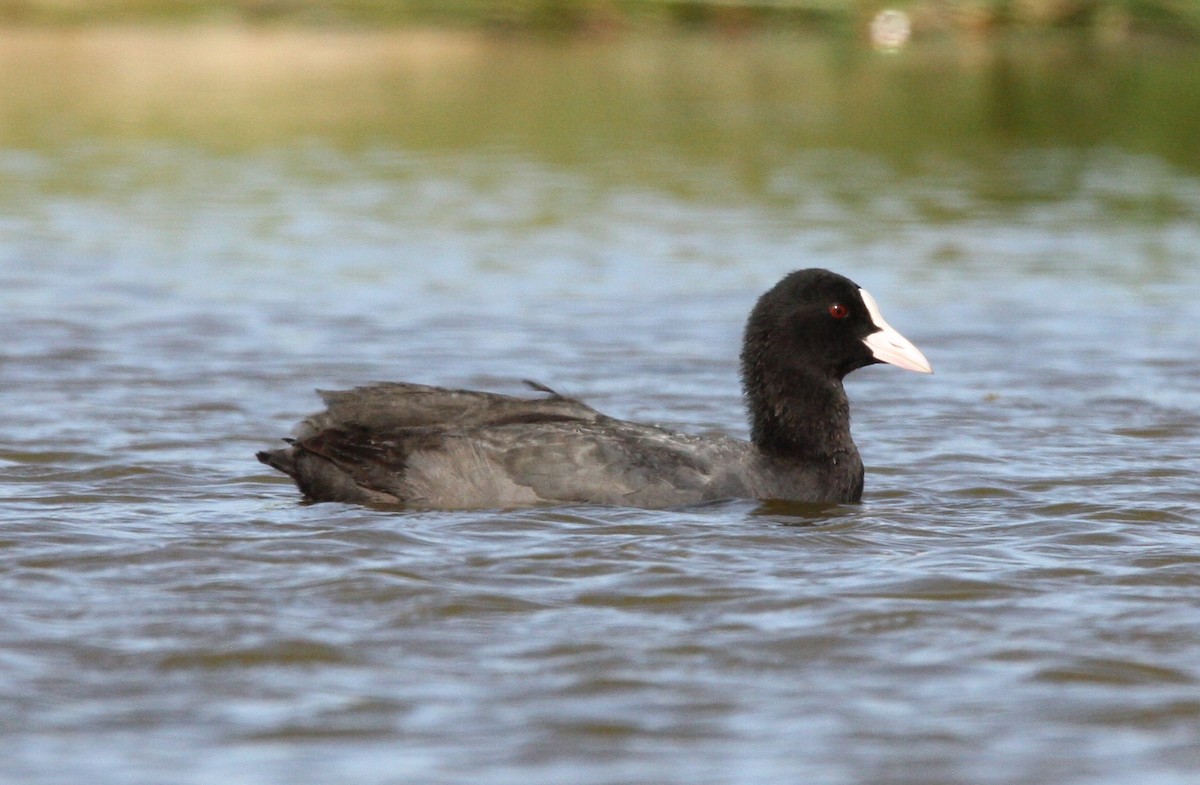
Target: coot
<point>430,447</point>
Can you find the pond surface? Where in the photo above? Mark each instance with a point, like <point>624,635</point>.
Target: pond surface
<point>187,251</point>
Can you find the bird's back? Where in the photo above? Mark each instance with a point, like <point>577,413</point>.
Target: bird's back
<point>451,449</point>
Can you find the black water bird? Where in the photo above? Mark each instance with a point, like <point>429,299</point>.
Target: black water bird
<point>430,447</point>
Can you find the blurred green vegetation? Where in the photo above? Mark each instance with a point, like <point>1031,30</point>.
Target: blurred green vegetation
<point>750,106</point>
<point>1108,18</point>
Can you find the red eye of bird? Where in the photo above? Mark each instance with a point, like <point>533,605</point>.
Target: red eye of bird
<point>838,311</point>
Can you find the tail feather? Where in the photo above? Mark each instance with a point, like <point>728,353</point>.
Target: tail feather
<point>319,479</point>
<point>281,460</point>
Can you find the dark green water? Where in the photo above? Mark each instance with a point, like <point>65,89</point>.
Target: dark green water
<point>190,244</point>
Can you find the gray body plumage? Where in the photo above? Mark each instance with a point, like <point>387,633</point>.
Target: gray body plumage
<point>431,447</point>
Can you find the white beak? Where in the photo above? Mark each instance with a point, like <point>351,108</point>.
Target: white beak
<point>889,346</point>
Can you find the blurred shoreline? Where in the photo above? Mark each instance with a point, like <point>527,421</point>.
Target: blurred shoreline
<point>1107,20</point>
<point>705,98</point>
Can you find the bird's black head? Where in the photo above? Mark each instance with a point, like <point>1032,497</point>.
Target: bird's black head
<point>803,336</point>
<point>818,322</point>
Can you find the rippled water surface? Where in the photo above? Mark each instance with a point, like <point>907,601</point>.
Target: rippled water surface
<point>1016,600</point>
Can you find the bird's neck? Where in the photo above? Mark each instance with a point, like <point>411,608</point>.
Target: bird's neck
<point>798,416</point>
